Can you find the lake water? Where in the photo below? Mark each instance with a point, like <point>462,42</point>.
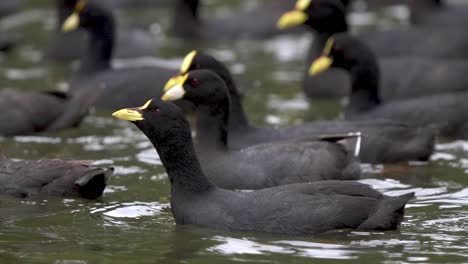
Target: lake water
<point>132,222</point>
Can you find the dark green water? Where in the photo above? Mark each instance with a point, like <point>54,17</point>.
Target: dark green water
<point>132,222</point>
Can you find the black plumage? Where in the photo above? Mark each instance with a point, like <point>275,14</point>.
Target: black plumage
<point>52,177</point>
<point>301,209</point>
<point>23,113</point>
<point>114,88</point>
<point>265,165</point>
<point>383,141</point>
<point>67,46</point>
<point>400,76</point>
<point>446,112</point>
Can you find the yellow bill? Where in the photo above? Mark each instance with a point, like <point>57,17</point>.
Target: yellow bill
<point>320,64</point>
<point>177,91</point>
<point>71,23</point>
<point>128,114</point>
<point>292,19</point>
<point>328,46</point>
<point>131,114</point>
<point>173,82</point>
<point>187,62</point>
<point>303,4</point>
<point>174,89</point>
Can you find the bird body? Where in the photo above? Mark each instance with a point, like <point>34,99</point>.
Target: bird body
<point>439,57</point>
<point>113,88</point>
<point>445,111</point>
<point>295,209</point>
<point>68,46</point>
<point>264,165</point>
<point>383,141</point>
<point>23,113</point>
<point>119,87</point>
<point>53,177</point>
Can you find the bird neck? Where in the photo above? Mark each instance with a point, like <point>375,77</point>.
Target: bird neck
<point>329,24</point>
<point>100,47</point>
<point>186,21</point>
<point>178,156</point>
<point>364,87</point>
<point>238,119</point>
<point>212,126</point>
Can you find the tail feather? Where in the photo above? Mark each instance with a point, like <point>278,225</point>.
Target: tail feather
<point>91,185</point>
<point>389,214</point>
<point>350,141</point>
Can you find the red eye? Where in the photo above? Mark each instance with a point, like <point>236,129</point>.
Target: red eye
<point>157,110</point>
<point>194,82</point>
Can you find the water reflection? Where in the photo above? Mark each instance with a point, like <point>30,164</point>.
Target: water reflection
<point>149,156</point>
<point>131,210</point>
<point>233,246</point>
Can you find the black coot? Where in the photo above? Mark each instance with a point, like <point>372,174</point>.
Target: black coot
<point>383,141</point>
<point>448,112</point>
<point>300,209</point>
<point>52,177</point>
<point>265,165</point>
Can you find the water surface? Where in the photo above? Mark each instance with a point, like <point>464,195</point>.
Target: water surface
<point>132,222</point>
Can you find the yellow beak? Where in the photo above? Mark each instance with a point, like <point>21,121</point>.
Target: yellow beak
<point>175,90</point>
<point>175,93</point>
<point>131,114</point>
<point>173,82</point>
<point>71,23</point>
<point>187,62</point>
<point>320,64</point>
<point>128,114</point>
<point>292,19</point>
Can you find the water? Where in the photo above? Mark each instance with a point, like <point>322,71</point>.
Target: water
<point>132,222</point>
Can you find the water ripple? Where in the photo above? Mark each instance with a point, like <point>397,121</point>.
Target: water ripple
<point>131,210</point>
<point>231,246</point>
<point>149,156</point>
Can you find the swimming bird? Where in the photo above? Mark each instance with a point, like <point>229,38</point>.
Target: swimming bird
<point>52,177</point>
<point>264,165</point>
<point>397,82</point>
<point>329,16</point>
<point>299,209</point>
<point>118,87</point>
<point>24,113</point>
<point>68,46</point>
<point>382,141</point>
<point>447,112</point>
